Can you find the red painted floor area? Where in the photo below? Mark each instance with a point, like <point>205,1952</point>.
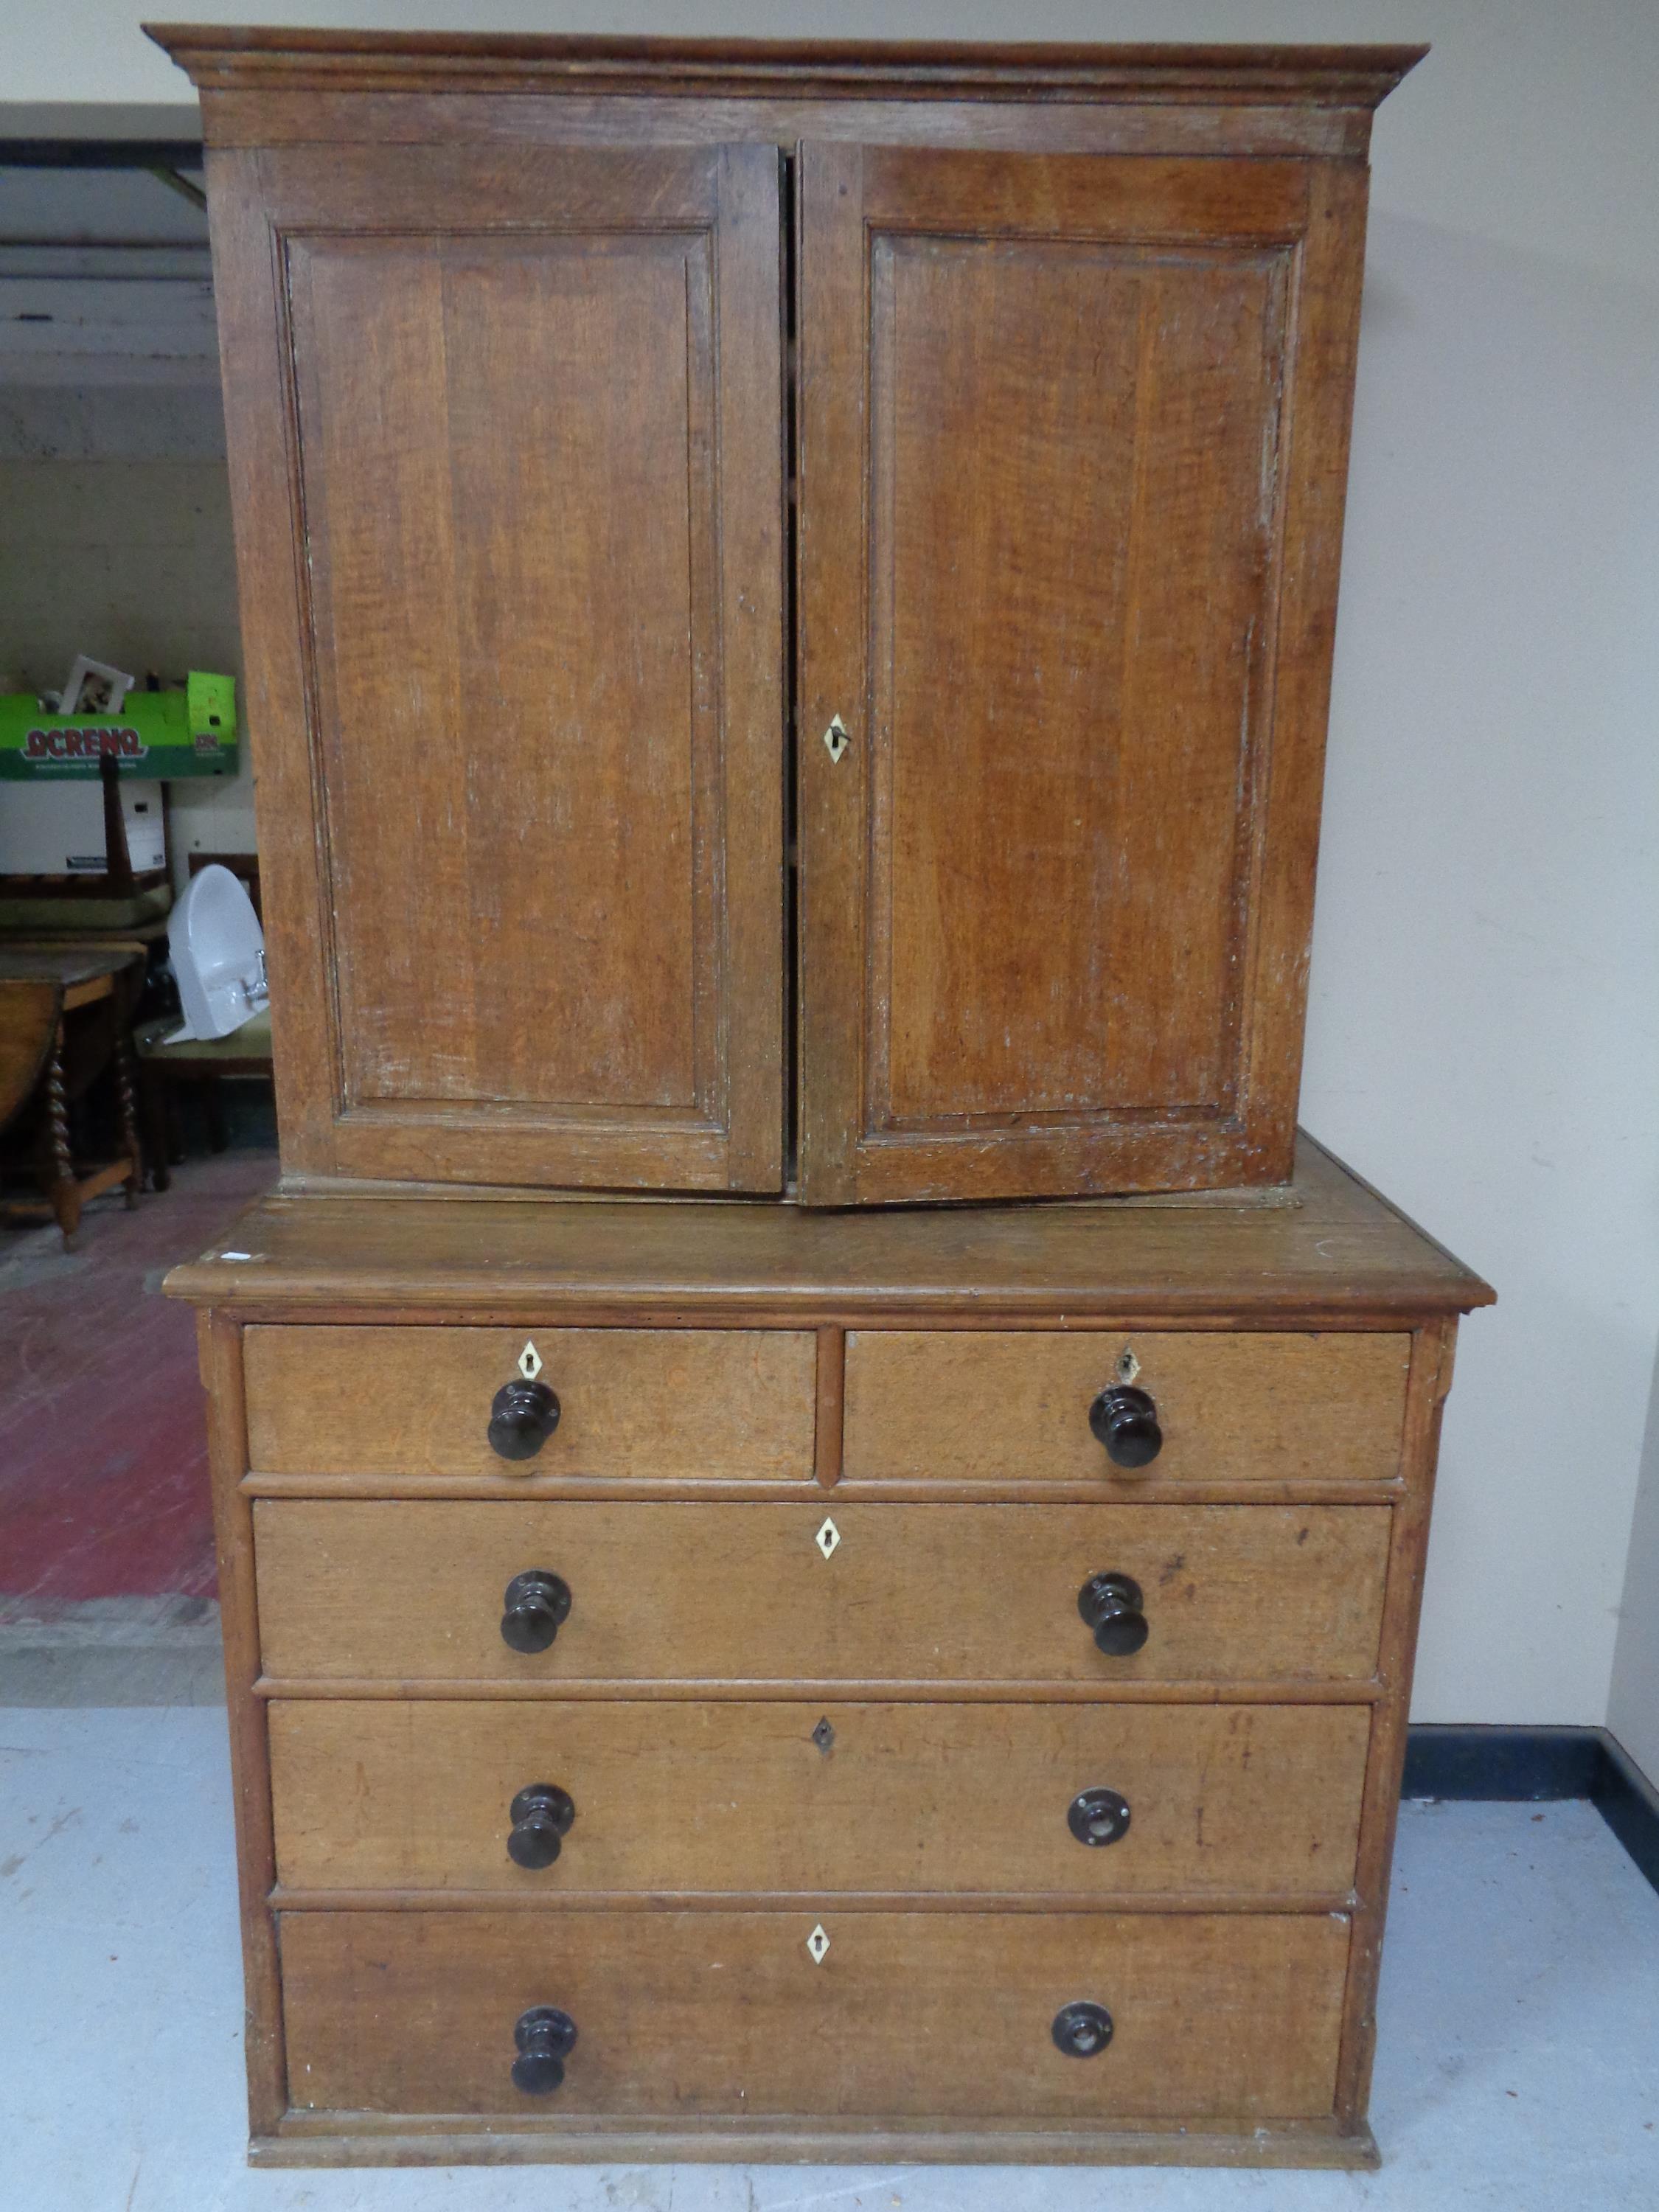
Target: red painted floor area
<point>103,1446</point>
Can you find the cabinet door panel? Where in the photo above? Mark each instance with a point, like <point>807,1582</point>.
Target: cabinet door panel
<point>535,720</point>
<point>1062,419</point>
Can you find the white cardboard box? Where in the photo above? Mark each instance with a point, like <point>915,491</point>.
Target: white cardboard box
<point>58,829</point>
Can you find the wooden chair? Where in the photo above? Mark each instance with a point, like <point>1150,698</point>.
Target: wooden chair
<point>201,1061</point>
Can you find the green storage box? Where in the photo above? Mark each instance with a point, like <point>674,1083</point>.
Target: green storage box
<point>157,734</point>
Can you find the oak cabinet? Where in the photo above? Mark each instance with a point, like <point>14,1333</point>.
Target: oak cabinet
<point>788,596</point>
<point>623,485</point>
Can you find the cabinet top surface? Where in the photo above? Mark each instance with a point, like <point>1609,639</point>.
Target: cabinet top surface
<point>1327,1248</point>
<point>230,56</point>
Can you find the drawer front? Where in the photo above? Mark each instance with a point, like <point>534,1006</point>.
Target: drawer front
<point>1015,1408</point>
<point>908,2014</point>
<point>407,1591</point>
<point>718,1798</point>
<point>634,1404</point>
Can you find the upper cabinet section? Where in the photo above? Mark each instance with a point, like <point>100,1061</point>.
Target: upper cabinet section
<point>508,489</point>
<point>543,430</point>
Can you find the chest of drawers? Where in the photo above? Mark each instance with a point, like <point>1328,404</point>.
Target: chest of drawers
<point>840,1734</point>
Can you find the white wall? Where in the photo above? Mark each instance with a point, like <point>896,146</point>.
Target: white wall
<point>115,540</point>
<point>1483,1040</point>
<point>1633,1701</point>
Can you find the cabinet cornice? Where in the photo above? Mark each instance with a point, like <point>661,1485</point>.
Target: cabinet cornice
<point>257,56</point>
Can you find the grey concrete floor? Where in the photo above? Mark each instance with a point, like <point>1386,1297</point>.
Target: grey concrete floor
<point>1518,2068</point>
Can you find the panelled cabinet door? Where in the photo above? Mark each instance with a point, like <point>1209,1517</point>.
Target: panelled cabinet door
<point>1072,441</point>
<point>507,432</point>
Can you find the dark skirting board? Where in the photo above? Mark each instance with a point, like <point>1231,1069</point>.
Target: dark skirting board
<point>1532,1765</point>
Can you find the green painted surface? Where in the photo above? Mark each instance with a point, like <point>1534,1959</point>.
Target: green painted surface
<point>157,735</point>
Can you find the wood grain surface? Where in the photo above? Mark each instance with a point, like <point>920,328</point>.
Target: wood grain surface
<point>1431,1381</point>
<point>1339,1251</point>
<point>1232,1409</point>
<point>674,1404</point>
<point>1054,414</point>
<point>29,1008</point>
<point>371,2139</point>
<point>1278,129</point>
<point>1126,1014</point>
<point>522,900</point>
<point>219,1354</point>
<point>407,1591</point>
<point>223,57</point>
<point>706,2014</point>
<point>1052,950</point>
<point>732,1798</point>
<point>541,430</point>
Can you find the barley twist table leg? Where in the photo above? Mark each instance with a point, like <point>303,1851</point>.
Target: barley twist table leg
<point>129,1117</point>
<point>65,1191</point>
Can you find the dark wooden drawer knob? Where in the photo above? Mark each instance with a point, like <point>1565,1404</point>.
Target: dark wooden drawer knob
<point>545,2037</point>
<point>1111,1605</point>
<point>1082,2031</point>
<point>1125,1420</point>
<point>1098,1816</point>
<point>537,1605</point>
<point>541,1817</point>
<point>522,1417</point>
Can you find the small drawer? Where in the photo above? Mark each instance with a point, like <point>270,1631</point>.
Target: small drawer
<point>970,1406</point>
<point>543,1591</point>
<point>898,2015</point>
<point>677,1798</point>
<point>632,1404</point>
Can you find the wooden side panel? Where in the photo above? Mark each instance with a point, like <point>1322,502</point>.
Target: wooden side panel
<point>906,2014</point>
<point>526,687</point>
<point>674,1404</point>
<point>1055,413</point>
<point>1015,1408</point>
<point>702,1592</point>
<point>1433,1354</point>
<point>219,1348</point>
<point>722,1798</point>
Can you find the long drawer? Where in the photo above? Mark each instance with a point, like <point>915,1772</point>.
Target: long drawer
<point>1230,1407</point>
<point>679,1798</point>
<point>404,1591</point>
<point>634,1404</point>
<point>903,2014</point>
